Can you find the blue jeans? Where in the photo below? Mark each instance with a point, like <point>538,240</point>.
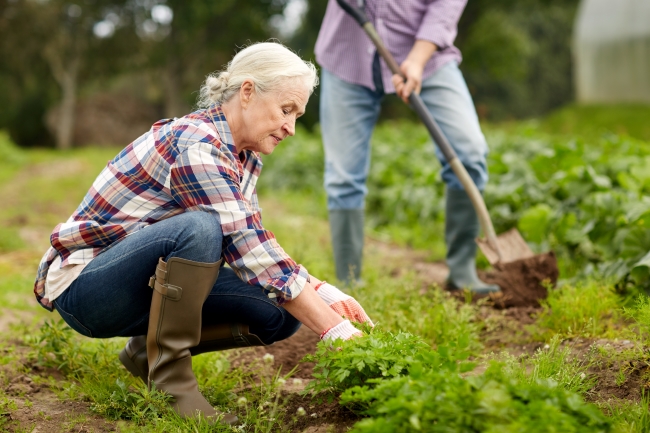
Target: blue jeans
<point>111,297</point>
<point>348,113</point>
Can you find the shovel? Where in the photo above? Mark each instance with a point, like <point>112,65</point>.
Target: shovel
<point>507,252</point>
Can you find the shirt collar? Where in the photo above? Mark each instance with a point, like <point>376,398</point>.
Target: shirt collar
<point>218,117</point>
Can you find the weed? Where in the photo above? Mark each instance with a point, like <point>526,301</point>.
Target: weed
<point>640,313</point>
<point>583,310</point>
<point>119,401</point>
<point>554,362</point>
<point>620,377</point>
<point>630,417</point>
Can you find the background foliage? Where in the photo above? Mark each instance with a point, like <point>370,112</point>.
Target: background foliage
<point>515,54</point>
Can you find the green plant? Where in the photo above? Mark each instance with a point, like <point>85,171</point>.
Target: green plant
<point>120,402</point>
<point>589,308</point>
<point>640,313</point>
<point>6,407</point>
<point>436,400</point>
<point>379,355</point>
<point>555,362</point>
<point>630,417</point>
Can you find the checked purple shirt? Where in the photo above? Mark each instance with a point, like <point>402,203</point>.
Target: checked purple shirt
<point>179,165</point>
<point>344,49</point>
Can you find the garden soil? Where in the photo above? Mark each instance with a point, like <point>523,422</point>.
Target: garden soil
<point>524,282</point>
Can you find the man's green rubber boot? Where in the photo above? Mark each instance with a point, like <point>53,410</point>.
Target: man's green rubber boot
<point>346,228</point>
<point>461,229</point>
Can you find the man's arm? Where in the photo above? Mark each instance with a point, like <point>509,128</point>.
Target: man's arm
<point>437,31</point>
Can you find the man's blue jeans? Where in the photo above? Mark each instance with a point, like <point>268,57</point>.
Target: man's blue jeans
<point>111,297</point>
<point>349,113</point>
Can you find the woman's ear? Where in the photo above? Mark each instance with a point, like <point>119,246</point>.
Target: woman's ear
<point>246,92</point>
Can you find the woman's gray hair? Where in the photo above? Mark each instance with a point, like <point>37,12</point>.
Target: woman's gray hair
<point>268,64</point>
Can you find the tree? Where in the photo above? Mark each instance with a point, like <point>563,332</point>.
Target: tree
<point>199,37</point>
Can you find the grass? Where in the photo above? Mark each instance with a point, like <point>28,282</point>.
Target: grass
<point>553,361</point>
<point>585,309</point>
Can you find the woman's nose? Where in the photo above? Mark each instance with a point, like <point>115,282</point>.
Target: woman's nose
<point>290,127</point>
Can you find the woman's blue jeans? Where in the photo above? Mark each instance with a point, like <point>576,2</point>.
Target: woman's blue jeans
<point>111,297</point>
<point>348,113</point>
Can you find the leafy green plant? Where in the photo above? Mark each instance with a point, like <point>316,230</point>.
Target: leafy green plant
<point>436,400</point>
<point>380,355</point>
<point>587,200</point>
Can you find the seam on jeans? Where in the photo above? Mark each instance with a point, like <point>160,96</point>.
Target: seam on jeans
<point>262,300</point>
<point>131,252</point>
<point>246,296</point>
<point>61,310</point>
<point>131,327</point>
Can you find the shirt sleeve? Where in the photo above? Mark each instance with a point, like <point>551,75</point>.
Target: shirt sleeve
<point>440,22</point>
<point>204,179</point>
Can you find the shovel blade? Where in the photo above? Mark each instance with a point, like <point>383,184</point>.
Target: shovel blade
<point>511,245</point>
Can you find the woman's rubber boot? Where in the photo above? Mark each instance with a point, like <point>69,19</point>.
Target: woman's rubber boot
<point>461,229</point>
<point>213,339</point>
<point>346,228</point>
<point>180,289</point>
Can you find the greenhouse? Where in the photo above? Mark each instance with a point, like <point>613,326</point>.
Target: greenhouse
<point>612,51</point>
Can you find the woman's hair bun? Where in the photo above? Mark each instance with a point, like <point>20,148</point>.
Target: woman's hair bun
<point>267,64</point>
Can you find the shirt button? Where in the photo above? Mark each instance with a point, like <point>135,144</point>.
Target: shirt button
<point>380,21</point>
<point>371,50</point>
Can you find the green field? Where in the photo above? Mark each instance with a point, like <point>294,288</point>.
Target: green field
<point>578,363</point>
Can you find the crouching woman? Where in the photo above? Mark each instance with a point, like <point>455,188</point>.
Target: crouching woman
<point>143,254</point>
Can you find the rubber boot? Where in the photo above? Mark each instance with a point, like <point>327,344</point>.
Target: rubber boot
<point>180,289</point>
<point>213,339</point>
<point>346,228</point>
<point>461,229</point>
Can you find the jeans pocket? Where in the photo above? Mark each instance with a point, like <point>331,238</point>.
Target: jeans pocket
<point>73,322</point>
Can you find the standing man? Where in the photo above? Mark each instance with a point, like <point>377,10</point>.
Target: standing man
<point>420,34</point>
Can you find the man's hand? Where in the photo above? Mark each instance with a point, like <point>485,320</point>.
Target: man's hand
<point>344,305</point>
<point>412,68</point>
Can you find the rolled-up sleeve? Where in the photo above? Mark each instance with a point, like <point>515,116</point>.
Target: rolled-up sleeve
<point>204,179</point>
<point>440,22</point>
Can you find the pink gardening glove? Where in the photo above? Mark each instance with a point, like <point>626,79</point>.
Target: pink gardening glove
<point>344,305</point>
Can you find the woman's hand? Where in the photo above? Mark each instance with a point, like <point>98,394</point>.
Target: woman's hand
<point>322,311</point>
<point>343,330</point>
<point>344,305</point>
<point>312,312</point>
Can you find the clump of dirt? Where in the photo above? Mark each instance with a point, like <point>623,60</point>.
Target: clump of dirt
<point>319,415</point>
<point>524,282</point>
<point>620,368</point>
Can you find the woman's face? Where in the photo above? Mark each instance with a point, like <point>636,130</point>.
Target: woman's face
<point>268,119</point>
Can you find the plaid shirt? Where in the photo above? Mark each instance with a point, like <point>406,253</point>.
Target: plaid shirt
<point>179,165</point>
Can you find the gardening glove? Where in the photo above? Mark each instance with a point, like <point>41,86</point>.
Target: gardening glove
<point>343,330</point>
<point>344,305</point>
